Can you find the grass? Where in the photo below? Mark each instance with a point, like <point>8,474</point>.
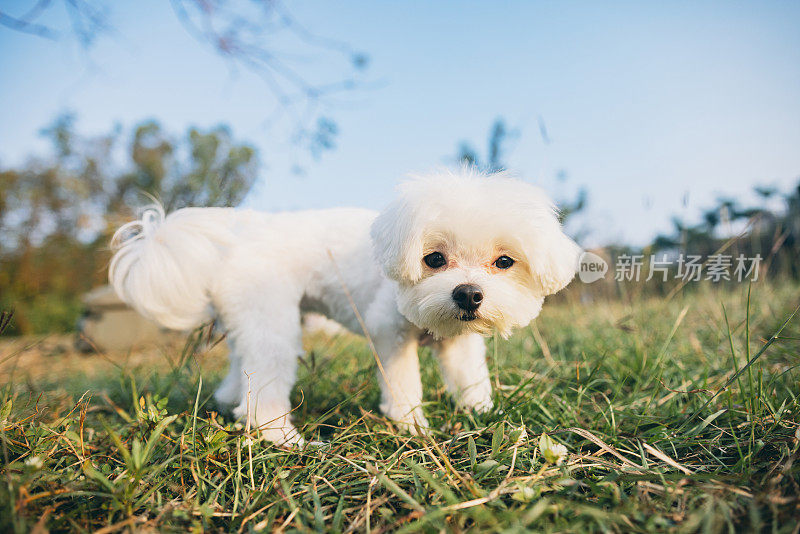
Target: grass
<point>673,416</point>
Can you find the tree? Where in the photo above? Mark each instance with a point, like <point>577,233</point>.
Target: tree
<point>218,172</point>
<point>56,212</point>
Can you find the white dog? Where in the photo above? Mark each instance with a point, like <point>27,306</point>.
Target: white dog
<point>455,256</point>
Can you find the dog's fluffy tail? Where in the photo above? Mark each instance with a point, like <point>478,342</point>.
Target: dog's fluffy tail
<point>164,266</point>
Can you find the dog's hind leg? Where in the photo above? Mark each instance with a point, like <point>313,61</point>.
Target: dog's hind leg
<point>462,360</point>
<point>267,340</point>
<point>229,390</point>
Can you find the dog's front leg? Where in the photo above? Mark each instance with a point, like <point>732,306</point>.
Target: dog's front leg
<point>401,386</point>
<point>462,360</point>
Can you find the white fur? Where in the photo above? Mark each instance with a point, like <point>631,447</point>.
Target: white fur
<point>258,273</point>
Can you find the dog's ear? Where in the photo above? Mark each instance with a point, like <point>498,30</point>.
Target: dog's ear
<point>551,255</point>
<point>553,261</point>
<point>397,241</point>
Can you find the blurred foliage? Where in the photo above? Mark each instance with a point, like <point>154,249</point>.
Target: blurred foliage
<point>496,147</point>
<point>56,213</point>
<point>770,229</point>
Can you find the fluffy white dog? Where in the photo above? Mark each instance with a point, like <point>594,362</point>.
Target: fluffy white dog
<point>455,256</point>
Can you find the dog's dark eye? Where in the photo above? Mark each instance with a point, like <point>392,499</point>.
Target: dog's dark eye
<point>503,262</point>
<point>434,260</point>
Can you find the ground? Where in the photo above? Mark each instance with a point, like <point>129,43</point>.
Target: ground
<point>664,427</point>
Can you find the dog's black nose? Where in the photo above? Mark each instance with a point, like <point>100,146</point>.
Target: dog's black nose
<point>468,296</point>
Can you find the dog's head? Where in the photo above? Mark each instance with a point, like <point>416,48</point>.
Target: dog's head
<point>471,252</point>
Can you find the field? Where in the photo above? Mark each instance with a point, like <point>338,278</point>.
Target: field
<point>677,415</point>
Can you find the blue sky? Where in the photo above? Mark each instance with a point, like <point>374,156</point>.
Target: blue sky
<point>644,103</point>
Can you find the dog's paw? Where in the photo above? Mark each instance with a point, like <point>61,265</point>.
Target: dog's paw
<point>286,437</point>
<point>227,393</point>
<point>418,427</point>
<point>411,421</point>
<point>272,425</point>
<point>476,401</point>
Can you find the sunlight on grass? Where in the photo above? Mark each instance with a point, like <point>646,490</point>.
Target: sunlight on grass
<point>653,417</point>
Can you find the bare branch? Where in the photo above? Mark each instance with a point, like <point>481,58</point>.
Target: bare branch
<point>26,23</point>
<point>87,21</point>
<point>241,37</point>
<point>246,34</point>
